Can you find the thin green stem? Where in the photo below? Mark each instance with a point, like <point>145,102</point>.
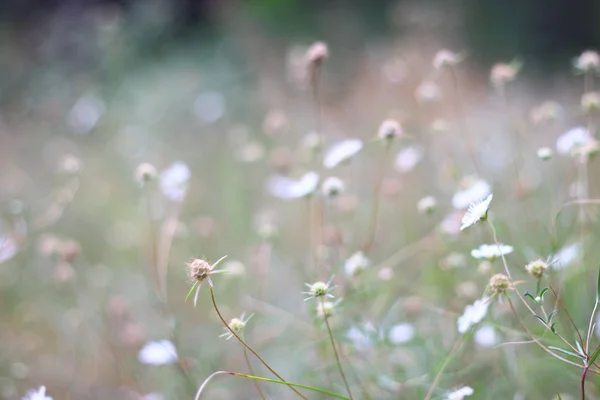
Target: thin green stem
<point>447,360</point>
<point>335,352</point>
<point>589,332</point>
<point>376,199</point>
<point>258,389</point>
<point>246,345</point>
<point>259,378</point>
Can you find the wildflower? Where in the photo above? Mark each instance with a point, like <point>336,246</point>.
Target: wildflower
<point>548,111</point>
<point>485,336</point>
<point>356,263</point>
<point>461,393</point>
<point>145,173</point>
<point>428,92</point>
<point>491,251</point>
<point>544,153</point>
<point>401,333</point>
<point>407,159</point>
<point>499,283</point>
<point>174,180</point>
<point>319,290</point>
<point>588,61</point>
<point>476,212</point>
<point>325,309</point>
<point>570,140</point>
<point>317,53</point>
<point>39,394</point>
<point>445,58</point>
<point>162,352</point>
<point>536,268</point>
<point>501,74</point>
<point>200,271</point>
<point>472,315</point>
<point>590,101</point>
<point>85,114</point>
<point>565,256</point>
<point>237,325</point>
<point>342,152</point>
<point>288,188</point>
<point>427,205</point>
<point>472,189</point>
<point>332,187</point>
<point>587,150</point>
<point>389,129</point>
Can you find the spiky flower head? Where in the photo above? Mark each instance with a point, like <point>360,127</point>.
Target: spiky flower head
<point>319,290</point>
<point>237,325</point>
<point>537,268</point>
<point>389,129</point>
<point>199,271</point>
<point>499,283</point>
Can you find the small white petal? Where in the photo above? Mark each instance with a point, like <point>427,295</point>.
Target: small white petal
<point>158,353</point>
<point>485,336</point>
<point>356,263</point>
<point>473,314</point>
<point>341,152</point>
<point>491,251</point>
<point>476,212</point>
<point>173,181</point>
<point>461,393</point>
<point>572,138</point>
<point>401,333</point>
<point>39,394</point>
<point>288,188</point>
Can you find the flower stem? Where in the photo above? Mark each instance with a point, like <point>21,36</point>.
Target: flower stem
<point>335,352</point>
<point>251,370</point>
<point>449,358</point>
<point>246,345</point>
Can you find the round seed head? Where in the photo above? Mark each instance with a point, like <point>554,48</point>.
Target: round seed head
<point>536,268</point>
<point>198,270</point>
<point>499,283</point>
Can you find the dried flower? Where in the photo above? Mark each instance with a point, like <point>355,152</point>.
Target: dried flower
<point>537,268</point>
<point>237,325</point>
<point>332,187</point>
<point>501,74</point>
<point>499,283</point>
<point>544,153</point>
<point>476,212</point>
<point>319,289</point>
<point>389,129</point>
<point>199,271</point>
<point>144,173</point>
<point>588,61</point>
<point>548,111</point>
<point>317,53</point>
<point>491,251</point>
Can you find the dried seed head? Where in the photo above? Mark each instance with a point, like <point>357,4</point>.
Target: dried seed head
<point>145,173</point>
<point>332,187</point>
<point>198,270</point>
<point>590,101</point>
<point>389,129</point>
<point>536,268</point>
<point>499,283</point>
<point>317,53</point>
<point>445,58</point>
<point>237,325</point>
<point>501,74</point>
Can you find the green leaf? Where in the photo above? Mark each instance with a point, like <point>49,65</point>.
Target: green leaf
<point>567,352</point>
<point>551,316</point>
<point>541,319</point>
<point>594,356</point>
<point>191,290</point>
<point>527,294</point>
<point>553,327</point>
<point>543,293</point>
<point>558,396</point>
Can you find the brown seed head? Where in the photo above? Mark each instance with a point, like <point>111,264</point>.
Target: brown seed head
<point>198,270</point>
<point>499,283</point>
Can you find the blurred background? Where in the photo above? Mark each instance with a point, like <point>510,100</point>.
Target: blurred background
<point>214,95</point>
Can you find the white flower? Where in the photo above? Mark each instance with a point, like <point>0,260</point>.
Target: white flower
<point>571,139</point>
<point>408,158</point>
<point>461,393</point>
<point>332,187</point>
<point>173,181</point>
<point>428,91</point>
<point>158,353</point>
<point>85,114</point>
<point>8,248</point>
<point>476,212</point>
<point>472,315</point>
<point>341,152</point>
<point>357,262</point>
<point>39,394</point>
<point>288,188</point>
<point>444,58</point>
<point>588,61</point>
<point>485,336</point>
<point>401,333</point>
<point>491,251</point>
<point>475,191</point>
<point>565,256</point>
<point>544,153</point>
